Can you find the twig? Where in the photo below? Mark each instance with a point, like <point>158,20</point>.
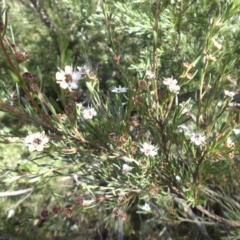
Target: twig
<point>120,229</point>
<point>153,205</point>
<point>15,193</point>
<point>201,228</point>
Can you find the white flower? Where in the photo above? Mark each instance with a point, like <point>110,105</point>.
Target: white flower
<point>169,81</point>
<point>146,207</point>
<point>178,178</point>
<point>11,213</point>
<point>174,88</point>
<point>36,141</point>
<point>216,45</point>
<point>126,168</point>
<point>185,129</point>
<point>89,113</point>
<point>76,179</point>
<point>85,69</point>
<point>219,104</point>
<point>68,78</point>
<point>79,105</point>
<point>148,149</point>
<point>197,138</point>
<point>150,74</point>
<point>229,94</point>
<point>236,131</point>
<point>229,143</point>
<point>119,89</point>
<point>74,227</point>
<point>172,85</point>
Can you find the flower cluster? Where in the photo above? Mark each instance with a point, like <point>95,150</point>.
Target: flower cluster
<point>172,85</point>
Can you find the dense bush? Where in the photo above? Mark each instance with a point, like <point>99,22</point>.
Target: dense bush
<point>125,117</point>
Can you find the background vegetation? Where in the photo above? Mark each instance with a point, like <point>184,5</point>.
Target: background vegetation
<point>192,191</point>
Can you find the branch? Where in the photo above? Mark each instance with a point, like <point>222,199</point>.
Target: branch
<point>201,228</point>
<point>15,193</point>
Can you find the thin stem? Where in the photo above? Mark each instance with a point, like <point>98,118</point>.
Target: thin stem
<point>155,42</point>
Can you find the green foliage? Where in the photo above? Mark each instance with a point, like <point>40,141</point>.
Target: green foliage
<point>162,151</point>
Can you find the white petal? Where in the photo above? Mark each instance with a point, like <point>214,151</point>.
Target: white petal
<point>68,70</point>
<point>39,148</point>
<point>60,76</point>
<point>31,148</point>
<point>74,85</point>
<point>63,85</point>
<point>76,76</point>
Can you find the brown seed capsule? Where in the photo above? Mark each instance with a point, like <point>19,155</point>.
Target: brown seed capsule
<point>119,143</point>
<point>69,109</point>
<point>123,216</point>
<point>92,76</point>
<point>27,76</point>
<point>35,77</point>
<point>111,136</point>
<point>75,95</point>
<point>115,211</point>
<point>56,209</point>
<point>34,87</point>
<point>68,212</point>
<point>21,56</point>
<point>116,57</point>
<point>44,214</point>
<point>142,84</point>
<point>79,201</point>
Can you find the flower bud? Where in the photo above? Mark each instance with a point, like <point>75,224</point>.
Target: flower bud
<point>21,56</point>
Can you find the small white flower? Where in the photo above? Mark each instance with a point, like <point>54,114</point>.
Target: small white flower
<point>11,213</point>
<point>68,78</point>
<point>150,74</point>
<point>219,104</point>
<point>229,143</point>
<point>216,45</point>
<point>74,227</point>
<point>178,178</point>
<point>148,149</point>
<point>185,129</point>
<point>79,105</point>
<point>76,179</point>
<point>197,138</point>
<point>146,207</point>
<point>174,88</point>
<point>236,131</point>
<point>89,113</point>
<point>169,81</point>
<point>126,168</point>
<point>85,69</point>
<point>119,89</point>
<point>36,141</point>
<point>229,94</point>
